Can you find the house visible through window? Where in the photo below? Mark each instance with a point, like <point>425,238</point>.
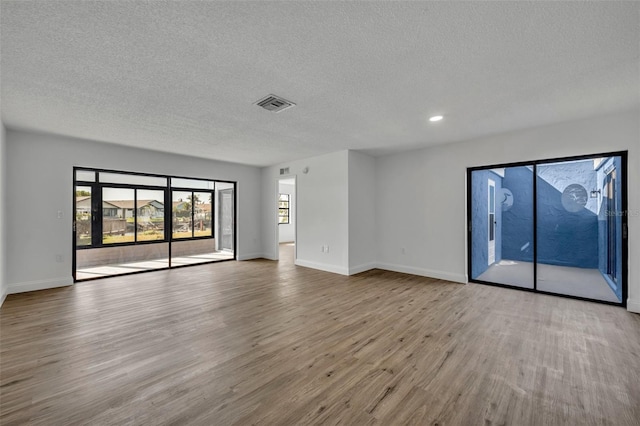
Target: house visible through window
<point>283,209</point>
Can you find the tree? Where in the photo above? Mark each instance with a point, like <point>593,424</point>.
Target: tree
<point>194,199</point>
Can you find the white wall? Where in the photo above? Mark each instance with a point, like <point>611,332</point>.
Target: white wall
<point>362,223</point>
<point>3,167</point>
<point>322,211</point>
<point>286,232</point>
<point>421,195</point>
<point>39,167</point>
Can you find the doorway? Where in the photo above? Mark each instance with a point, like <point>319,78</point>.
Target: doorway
<point>287,220</point>
<point>553,226</point>
<point>226,216</point>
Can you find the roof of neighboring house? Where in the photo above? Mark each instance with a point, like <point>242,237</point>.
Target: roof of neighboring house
<point>84,202</point>
<point>200,206</point>
<point>128,204</point>
<point>204,207</point>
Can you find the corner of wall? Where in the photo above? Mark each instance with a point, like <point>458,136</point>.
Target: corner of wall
<point>36,285</point>
<point>250,256</point>
<point>362,268</point>
<point>633,306</point>
<point>423,272</point>
<point>326,267</point>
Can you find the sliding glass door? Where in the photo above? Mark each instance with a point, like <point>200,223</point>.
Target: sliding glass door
<point>553,226</point>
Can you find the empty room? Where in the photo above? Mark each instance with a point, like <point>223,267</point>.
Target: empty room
<point>297,213</point>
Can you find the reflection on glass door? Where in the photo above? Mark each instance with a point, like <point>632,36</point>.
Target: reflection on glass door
<point>556,227</point>
<point>502,214</point>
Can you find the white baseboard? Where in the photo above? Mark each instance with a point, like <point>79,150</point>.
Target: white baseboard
<point>459,278</point>
<point>441,275</point>
<point>633,306</point>
<point>249,256</point>
<point>322,266</point>
<point>361,268</point>
<point>39,285</point>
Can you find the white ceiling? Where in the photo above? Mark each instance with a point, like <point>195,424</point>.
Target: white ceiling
<point>182,77</point>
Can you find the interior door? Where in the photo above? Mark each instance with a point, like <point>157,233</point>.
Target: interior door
<point>491,207</point>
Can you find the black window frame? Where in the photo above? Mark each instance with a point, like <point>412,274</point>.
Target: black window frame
<point>288,209</point>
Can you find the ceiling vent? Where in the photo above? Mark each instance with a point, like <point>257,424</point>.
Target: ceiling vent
<point>274,103</point>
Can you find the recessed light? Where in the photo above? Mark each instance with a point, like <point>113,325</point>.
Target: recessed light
<point>436,118</point>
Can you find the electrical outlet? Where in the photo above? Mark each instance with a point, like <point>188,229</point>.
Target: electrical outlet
<point>59,214</point>
<point>59,258</point>
<point>322,249</point>
<point>403,250</point>
<point>326,249</point>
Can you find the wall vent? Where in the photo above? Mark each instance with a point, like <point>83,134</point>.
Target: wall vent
<point>274,103</point>
<point>284,171</point>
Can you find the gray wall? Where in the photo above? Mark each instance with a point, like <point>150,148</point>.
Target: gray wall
<point>39,167</point>
<point>362,214</point>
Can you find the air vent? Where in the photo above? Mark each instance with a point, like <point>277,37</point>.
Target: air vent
<point>274,103</point>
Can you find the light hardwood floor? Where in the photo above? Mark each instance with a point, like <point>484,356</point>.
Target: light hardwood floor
<point>262,342</point>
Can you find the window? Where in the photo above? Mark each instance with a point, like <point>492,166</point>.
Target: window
<point>192,214</point>
<point>83,216</point>
<point>149,215</point>
<point>126,222</point>
<point>283,209</point>
<point>118,215</point>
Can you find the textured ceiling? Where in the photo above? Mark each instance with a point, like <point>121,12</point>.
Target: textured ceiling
<point>182,77</point>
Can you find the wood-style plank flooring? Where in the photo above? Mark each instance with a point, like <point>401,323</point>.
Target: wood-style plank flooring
<point>269,343</point>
